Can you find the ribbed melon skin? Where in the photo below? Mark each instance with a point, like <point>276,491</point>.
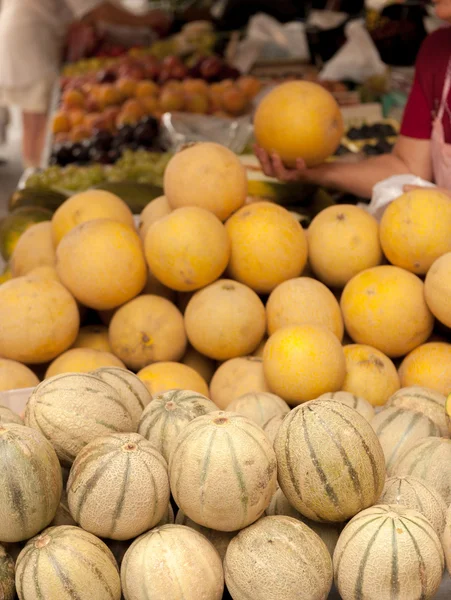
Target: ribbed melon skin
<point>169,413</point>
<point>429,460</point>
<point>259,406</point>
<point>30,482</point>
<point>73,409</point>
<point>67,563</point>
<point>219,539</point>
<point>223,471</point>
<point>132,390</point>
<point>7,585</point>
<point>399,429</point>
<point>362,406</point>
<point>118,486</point>
<point>8,416</point>
<point>446,540</point>
<point>280,506</point>
<point>172,562</point>
<point>330,462</point>
<point>272,426</point>
<point>417,495</point>
<point>429,402</point>
<point>278,558</point>
<point>388,552</point>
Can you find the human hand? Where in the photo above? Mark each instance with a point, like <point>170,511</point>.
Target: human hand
<point>273,166</point>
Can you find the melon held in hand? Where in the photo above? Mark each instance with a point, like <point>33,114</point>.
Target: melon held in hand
<point>299,119</point>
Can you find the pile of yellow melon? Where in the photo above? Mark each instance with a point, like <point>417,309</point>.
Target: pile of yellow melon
<point>283,391</point>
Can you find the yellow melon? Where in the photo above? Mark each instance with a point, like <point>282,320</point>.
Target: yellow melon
<point>414,229</point>
<point>236,377</point>
<point>343,241</point>
<point>147,329</point>
<point>87,206</point>
<point>82,360</point>
<point>15,375</point>
<point>205,366</point>
<point>153,286</point>
<point>225,320</point>
<point>94,337</point>
<point>156,209</point>
<point>44,272</point>
<point>303,362</point>
<point>385,307</point>
<point>299,119</point>
<point>33,249</point>
<point>268,246</point>
<point>428,366</point>
<point>260,348</point>
<point>303,301</point>
<point>163,376</point>
<point>207,175</point>
<point>437,289</point>
<point>188,249</point>
<point>370,374</point>
<point>101,262</point>
<point>39,319</point>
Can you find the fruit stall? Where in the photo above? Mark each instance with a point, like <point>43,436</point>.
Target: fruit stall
<point>213,384</point>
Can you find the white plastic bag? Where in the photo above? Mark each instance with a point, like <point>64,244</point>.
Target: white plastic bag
<point>357,60</point>
<point>388,190</point>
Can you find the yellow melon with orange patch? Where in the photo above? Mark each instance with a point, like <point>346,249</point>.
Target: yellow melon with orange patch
<point>428,366</point>
<point>163,376</point>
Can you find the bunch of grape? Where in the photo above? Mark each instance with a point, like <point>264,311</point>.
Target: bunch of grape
<point>71,178</point>
<point>140,166</point>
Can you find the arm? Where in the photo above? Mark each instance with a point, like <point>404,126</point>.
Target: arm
<point>115,15</point>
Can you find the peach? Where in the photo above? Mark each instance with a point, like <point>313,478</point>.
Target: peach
<point>234,101</point>
<point>73,99</point>
<point>196,103</point>
<point>192,86</point>
<point>251,86</point>
<point>146,88</point>
<point>171,100</point>
<point>61,123</point>
<point>126,86</point>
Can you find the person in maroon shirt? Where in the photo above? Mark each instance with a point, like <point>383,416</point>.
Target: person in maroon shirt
<point>424,145</point>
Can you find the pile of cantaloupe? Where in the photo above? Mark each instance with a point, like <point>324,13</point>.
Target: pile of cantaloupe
<point>222,398</point>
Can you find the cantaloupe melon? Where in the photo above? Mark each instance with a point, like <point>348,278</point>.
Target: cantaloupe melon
<point>163,376</point>
<point>272,426</point>
<point>388,552</point>
<point>225,320</point>
<point>259,406</point>
<point>430,460</point>
<point>417,495</point>
<point>303,301</point>
<point>343,241</point>
<point>278,558</point>
<point>168,414</point>
<point>370,374</point>
<point>170,562</point>
<point>102,264</point>
<point>7,585</point>
<point>302,362</point>
<point>207,175</point>
<point>33,249</point>
<point>147,329</point>
<point>38,320</point>
<point>268,246</point>
<point>67,563</point>
<point>424,400</point>
<point>299,119</point>
<point>14,375</point>
<point>30,482</point>
<point>8,416</point>
<point>429,365</point>
<point>205,366</point>
<point>87,206</point>
<point>188,249</point>
<point>71,410</point>
<point>156,209</point>
<point>82,360</point>
<point>385,307</point>
<point>219,539</point>
<point>414,229</point>
<point>437,289</point>
<point>236,377</point>
<point>118,486</point>
<point>359,404</point>
<point>446,540</point>
<point>233,483</point>
<point>94,337</point>
<point>328,532</point>
<point>330,462</point>
<point>129,386</point>
<point>398,429</point>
